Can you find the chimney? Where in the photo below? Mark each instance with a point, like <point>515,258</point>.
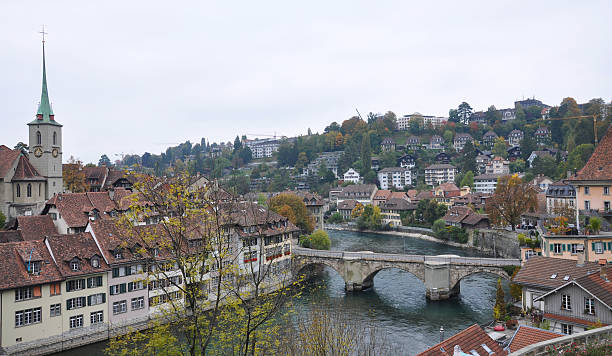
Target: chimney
<point>603,273</point>
<point>581,259</point>
<point>569,174</point>
<point>111,194</point>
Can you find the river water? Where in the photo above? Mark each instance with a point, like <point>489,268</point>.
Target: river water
<point>396,304</point>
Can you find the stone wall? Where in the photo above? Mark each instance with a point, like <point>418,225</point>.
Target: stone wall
<point>76,338</point>
<point>499,243</point>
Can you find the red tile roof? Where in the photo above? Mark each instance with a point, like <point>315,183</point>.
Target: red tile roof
<point>7,158</point>
<point>538,270</point>
<point>528,335</point>
<point>597,286</point>
<point>36,227</point>
<point>598,167</point>
<point>25,171</point>
<point>469,339</point>
<point>14,264</point>
<point>571,320</point>
<point>82,246</point>
<point>75,207</point>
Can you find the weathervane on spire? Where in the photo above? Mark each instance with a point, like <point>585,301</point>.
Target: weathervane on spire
<point>43,33</point>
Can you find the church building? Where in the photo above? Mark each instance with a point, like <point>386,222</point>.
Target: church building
<point>29,179</point>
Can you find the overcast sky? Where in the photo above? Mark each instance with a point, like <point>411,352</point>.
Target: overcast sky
<point>136,76</point>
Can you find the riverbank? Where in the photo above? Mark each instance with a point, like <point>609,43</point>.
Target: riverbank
<point>421,236</point>
<point>497,243</point>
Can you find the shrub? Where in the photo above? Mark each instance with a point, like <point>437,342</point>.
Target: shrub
<point>439,227</point>
<point>336,218</point>
<point>318,240</point>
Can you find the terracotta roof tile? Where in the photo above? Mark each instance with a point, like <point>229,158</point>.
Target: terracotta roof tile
<point>10,236</point>
<point>569,319</point>
<point>469,339</point>
<point>82,246</point>
<point>538,270</point>
<point>7,158</point>
<point>14,264</point>
<point>528,335</point>
<point>36,227</point>
<point>597,286</point>
<point>25,171</point>
<point>598,167</point>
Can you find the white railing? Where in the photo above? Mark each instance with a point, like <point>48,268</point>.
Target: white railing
<point>391,257</point>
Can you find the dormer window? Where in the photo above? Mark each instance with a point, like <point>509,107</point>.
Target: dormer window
<point>95,262</point>
<point>74,265</point>
<point>118,254</point>
<point>33,267</point>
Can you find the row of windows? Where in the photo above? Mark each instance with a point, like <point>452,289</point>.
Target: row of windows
<point>126,287</point>
<point>120,307</point>
<point>587,205</point>
<point>589,304</point>
<point>597,247</point>
<point>39,138</point>
<point>96,317</point>
<point>164,298</point>
<point>28,190</point>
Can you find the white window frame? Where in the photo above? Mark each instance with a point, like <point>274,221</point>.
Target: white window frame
<point>137,303</point>
<point>567,329</point>
<point>55,309</point>
<point>599,247</point>
<point>76,321</point>
<point>589,306</point>
<point>566,302</point>
<point>557,248</point>
<point>120,307</point>
<point>96,317</point>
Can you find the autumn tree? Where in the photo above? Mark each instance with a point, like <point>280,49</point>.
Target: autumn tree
<point>511,199</point>
<point>516,291</point>
<point>74,177</point>
<point>294,207</point>
<point>207,301</point>
<point>499,310</point>
<point>500,148</point>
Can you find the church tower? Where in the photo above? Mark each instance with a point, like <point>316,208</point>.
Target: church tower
<point>46,141</point>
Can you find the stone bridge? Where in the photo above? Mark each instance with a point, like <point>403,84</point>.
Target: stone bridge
<point>440,274</point>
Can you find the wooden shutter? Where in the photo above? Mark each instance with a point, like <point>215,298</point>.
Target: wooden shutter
<point>99,281</point>
<point>36,291</point>
<point>122,288</point>
<point>103,297</point>
<point>89,300</point>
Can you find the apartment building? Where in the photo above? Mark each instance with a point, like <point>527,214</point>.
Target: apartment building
<point>436,174</point>
<point>128,298</point>
<point>395,177</point>
<point>594,181</point>
<point>31,292</point>
<point>460,140</point>
<point>84,307</point>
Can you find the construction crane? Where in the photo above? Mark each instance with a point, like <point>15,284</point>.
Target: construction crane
<point>594,117</point>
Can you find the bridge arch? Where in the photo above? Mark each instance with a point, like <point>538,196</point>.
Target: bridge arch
<point>415,270</point>
<point>457,276</point>
<point>299,265</point>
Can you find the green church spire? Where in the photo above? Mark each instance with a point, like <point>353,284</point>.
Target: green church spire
<point>44,115</point>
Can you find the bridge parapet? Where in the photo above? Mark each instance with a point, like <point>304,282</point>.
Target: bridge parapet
<point>440,274</point>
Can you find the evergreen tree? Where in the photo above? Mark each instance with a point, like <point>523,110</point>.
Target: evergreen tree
<point>366,154</point>
<point>527,145</point>
<point>464,112</point>
<point>468,159</point>
<point>500,303</point>
<point>237,144</point>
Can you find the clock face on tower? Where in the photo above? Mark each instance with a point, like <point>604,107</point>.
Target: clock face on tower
<point>55,152</point>
<point>38,151</point>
